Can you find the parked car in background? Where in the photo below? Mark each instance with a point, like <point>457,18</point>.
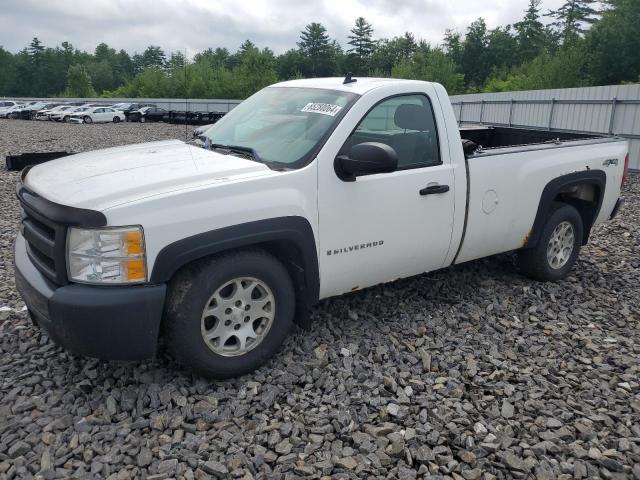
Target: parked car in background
<point>45,114</point>
<point>7,103</point>
<point>132,107</point>
<point>28,111</point>
<point>8,106</point>
<point>147,114</point>
<point>64,115</point>
<point>97,115</point>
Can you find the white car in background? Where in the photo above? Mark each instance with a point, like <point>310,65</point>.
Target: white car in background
<point>48,112</point>
<point>97,115</point>
<point>6,111</point>
<point>65,115</point>
<point>7,104</point>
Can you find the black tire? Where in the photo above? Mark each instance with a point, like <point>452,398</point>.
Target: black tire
<point>190,291</point>
<point>65,119</point>
<point>87,119</point>
<point>13,116</point>
<point>533,262</point>
<point>116,119</point>
<point>142,119</point>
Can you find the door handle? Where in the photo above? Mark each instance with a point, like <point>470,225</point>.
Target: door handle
<point>434,189</point>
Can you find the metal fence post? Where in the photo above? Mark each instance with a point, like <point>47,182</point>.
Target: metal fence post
<point>553,104</point>
<point>481,110</point>
<point>511,112</point>
<point>614,103</point>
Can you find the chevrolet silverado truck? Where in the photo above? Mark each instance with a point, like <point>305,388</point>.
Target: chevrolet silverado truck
<point>306,190</point>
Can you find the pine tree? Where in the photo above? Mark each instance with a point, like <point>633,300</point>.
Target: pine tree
<point>452,44</point>
<point>573,18</point>
<point>530,32</point>
<point>35,48</point>
<point>315,45</point>
<point>362,43</point>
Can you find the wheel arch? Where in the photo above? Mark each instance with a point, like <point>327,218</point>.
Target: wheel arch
<point>290,239</point>
<point>582,190</point>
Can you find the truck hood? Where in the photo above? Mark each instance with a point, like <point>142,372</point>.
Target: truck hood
<point>102,179</point>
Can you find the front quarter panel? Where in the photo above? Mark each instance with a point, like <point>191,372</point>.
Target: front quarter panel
<point>169,218</point>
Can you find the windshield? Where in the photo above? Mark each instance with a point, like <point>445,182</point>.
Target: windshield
<point>283,125</point>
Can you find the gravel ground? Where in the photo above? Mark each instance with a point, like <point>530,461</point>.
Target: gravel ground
<point>468,373</point>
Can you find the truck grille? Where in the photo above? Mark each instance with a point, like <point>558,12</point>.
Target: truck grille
<point>46,243</point>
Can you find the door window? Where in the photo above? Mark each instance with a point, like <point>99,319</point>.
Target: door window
<point>405,123</point>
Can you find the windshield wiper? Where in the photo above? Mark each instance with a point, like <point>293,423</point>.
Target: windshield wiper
<point>246,151</point>
<point>250,153</point>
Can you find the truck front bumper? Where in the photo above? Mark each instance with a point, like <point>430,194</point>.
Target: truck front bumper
<point>111,323</point>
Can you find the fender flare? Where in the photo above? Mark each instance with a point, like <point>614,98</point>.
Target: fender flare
<point>597,178</point>
<point>293,229</point>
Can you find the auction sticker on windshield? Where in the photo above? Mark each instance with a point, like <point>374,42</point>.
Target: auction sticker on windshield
<point>323,108</point>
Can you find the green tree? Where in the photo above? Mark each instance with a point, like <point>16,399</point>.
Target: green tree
<point>564,69</point>
<point>152,57</point>
<point>316,46</point>
<point>256,71</point>
<point>474,62</point>
<point>614,44</point>
<point>362,45</point>
<point>388,53</point>
<point>79,83</point>
<point>502,49</point>
<point>530,33</point>
<point>291,64</point>
<point>452,44</point>
<point>432,65</point>
<point>573,18</point>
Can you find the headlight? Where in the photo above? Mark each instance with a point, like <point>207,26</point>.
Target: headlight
<point>106,256</point>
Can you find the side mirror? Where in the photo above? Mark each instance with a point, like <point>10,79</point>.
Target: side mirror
<point>365,159</point>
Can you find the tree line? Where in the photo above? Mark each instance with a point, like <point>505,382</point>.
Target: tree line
<point>582,43</point>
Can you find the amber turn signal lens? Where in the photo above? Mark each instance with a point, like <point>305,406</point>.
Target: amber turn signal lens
<point>135,269</point>
<point>133,241</point>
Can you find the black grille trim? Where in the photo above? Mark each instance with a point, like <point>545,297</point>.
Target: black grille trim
<point>44,227</point>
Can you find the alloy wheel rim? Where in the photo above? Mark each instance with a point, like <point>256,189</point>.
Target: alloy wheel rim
<point>238,316</point>
<point>560,246</point>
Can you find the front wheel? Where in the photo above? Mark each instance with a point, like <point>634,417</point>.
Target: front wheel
<point>87,119</point>
<point>142,119</point>
<point>116,119</point>
<point>558,248</point>
<point>228,315</point>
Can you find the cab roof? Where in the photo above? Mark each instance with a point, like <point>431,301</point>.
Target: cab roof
<point>361,86</point>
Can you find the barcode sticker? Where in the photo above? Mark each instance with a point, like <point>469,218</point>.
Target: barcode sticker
<point>323,108</point>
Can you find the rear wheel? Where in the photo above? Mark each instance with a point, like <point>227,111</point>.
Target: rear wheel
<point>87,119</point>
<point>13,116</point>
<point>227,316</point>
<point>65,119</point>
<point>142,119</point>
<point>558,248</point>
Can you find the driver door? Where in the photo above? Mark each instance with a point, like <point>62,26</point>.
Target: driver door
<point>388,225</point>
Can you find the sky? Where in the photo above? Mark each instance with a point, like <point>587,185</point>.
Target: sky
<point>194,25</point>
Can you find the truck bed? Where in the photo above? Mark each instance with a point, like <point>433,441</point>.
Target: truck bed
<point>506,178</point>
<point>492,140</point>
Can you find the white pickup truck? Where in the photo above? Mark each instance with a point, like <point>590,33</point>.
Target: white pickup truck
<point>306,190</point>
